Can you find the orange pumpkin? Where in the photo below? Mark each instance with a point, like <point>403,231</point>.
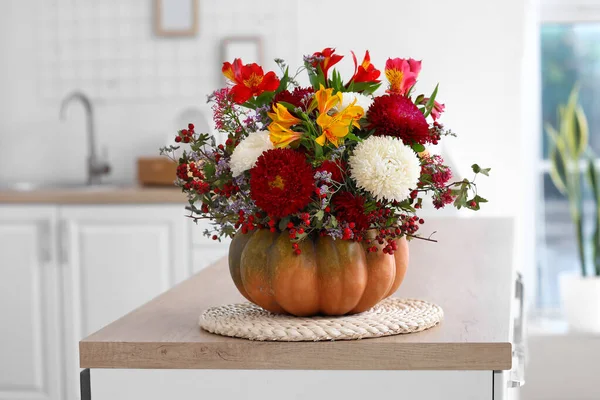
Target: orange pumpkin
<point>331,277</point>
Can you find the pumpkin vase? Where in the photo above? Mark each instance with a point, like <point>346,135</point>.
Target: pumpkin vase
<point>328,277</point>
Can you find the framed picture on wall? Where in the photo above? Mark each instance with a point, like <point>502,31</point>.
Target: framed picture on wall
<point>247,48</point>
<point>176,17</point>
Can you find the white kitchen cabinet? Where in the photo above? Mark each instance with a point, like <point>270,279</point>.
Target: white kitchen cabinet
<point>205,250</point>
<point>116,258</point>
<point>30,350</point>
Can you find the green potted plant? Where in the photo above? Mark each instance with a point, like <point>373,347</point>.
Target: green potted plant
<point>572,167</point>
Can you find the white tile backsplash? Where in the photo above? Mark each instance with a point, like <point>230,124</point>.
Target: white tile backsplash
<point>109,48</point>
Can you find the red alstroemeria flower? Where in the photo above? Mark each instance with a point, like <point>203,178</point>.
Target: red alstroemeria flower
<point>365,72</point>
<point>402,74</point>
<point>329,59</point>
<point>437,110</point>
<point>249,80</point>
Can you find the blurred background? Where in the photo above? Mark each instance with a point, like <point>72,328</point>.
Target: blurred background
<point>125,75</point>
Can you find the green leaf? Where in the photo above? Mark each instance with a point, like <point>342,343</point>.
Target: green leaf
<point>283,223</point>
<point>352,136</point>
<point>581,130</point>
<point>479,199</point>
<point>592,176</point>
<point>485,171</point>
<point>319,215</point>
<point>209,170</point>
<point>418,147</point>
<point>558,169</point>
<point>283,82</point>
<point>476,168</point>
<point>431,101</point>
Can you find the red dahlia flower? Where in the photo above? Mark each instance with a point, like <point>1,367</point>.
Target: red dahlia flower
<point>329,59</point>
<point>249,80</point>
<point>334,168</point>
<point>281,182</point>
<point>295,97</point>
<point>395,115</point>
<point>365,72</point>
<point>351,208</point>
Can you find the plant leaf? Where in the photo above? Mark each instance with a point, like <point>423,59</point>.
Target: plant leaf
<point>431,101</point>
<point>558,169</point>
<point>418,147</point>
<point>581,130</point>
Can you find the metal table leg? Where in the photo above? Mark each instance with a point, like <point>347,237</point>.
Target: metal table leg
<point>85,384</point>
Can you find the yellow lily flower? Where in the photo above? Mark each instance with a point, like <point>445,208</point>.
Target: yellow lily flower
<point>326,100</point>
<point>280,133</point>
<point>337,126</point>
<point>282,116</point>
<point>281,136</point>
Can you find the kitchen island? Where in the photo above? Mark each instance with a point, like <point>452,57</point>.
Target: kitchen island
<point>143,353</point>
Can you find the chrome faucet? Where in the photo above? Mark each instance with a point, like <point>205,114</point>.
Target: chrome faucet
<point>95,167</point>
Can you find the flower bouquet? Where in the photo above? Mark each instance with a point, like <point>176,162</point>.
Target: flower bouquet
<point>319,186</point>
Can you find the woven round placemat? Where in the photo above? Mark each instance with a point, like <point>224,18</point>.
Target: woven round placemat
<point>392,316</point>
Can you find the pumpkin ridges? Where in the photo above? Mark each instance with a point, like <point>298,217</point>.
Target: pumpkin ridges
<point>270,275</point>
<point>401,256</point>
<point>295,279</point>
<point>342,274</point>
<point>235,259</point>
<point>381,270</point>
<point>255,274</point>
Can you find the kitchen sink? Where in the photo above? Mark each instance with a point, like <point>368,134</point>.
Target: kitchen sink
<point>55,186</point>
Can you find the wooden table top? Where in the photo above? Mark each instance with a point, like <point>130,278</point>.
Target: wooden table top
<point>468,273</point>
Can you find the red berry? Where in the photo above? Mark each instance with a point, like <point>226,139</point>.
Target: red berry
<point>327,209</point>
<point>214,237</point>
<point>290,225</point>
<point>421,221</point>
<point>228,142</point>
<point>473,204</point>
<point>191,127</point>
<point>186,139</point>
<point>178,139</point>
<point>295,245</point>
<point>351,225</point>
<point>297,251</point>
<point>273,229</point>
<point>300,231</point>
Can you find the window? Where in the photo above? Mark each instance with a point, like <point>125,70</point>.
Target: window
<point>570,53</point>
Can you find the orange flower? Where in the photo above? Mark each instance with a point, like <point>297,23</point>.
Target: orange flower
<point>280,133</point>
<point>336,126</point>
<point>282,116</point>
<point>249,80</point>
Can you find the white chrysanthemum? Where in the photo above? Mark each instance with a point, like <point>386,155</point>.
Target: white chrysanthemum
<point>246,153</point>
<point>361,100</point>
<point>385,167</point>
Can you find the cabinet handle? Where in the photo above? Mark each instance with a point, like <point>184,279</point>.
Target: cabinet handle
<point>63,240</point>
<point>44,252</point>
